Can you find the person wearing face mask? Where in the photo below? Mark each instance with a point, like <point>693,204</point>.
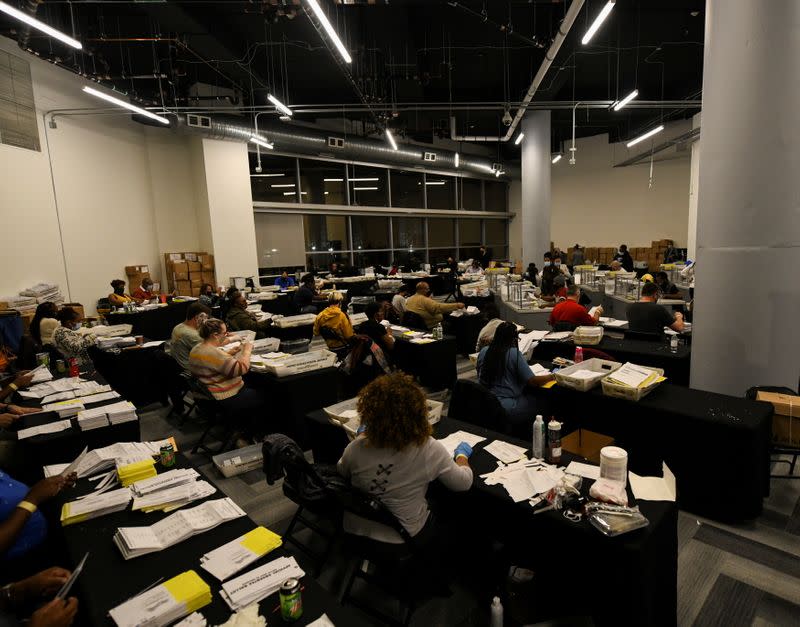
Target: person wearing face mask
<point>68,341</point>
<point>561,267</point>
<point>185,336</point>
<point>668,288</point>
<point>239,319</point>
<point>624,257</point>
<point>118,297</point>
<point>144,292</point>
<point>208,297</point>
<point>431,311</point>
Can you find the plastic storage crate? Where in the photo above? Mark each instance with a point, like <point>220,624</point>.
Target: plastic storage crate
<point>239,461</point>
<point>336,414</point>
<point>601,367</point>
<point>629,393</point>
<point>587,336</point>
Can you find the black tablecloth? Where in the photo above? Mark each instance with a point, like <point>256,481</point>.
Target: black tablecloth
<point>108,580</point>
<point>433,363</point>
<point>292,397</point>
<point>155,324</point>
<point>633,575</point>
<point>304,332</point>
<point>466,330</point>
<point>717,446</point>
<point>658,355</point>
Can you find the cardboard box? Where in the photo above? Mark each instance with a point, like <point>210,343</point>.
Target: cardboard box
<point>131,270</point>
<point>180,270</point>
<point>195,292</point>
<point>190,256</point>
<point>184,288</point>
<point>196,283</point>
<point>585,443</point>
<point>135,280</point>
<point>208,277</point>
<point>194,266</point>
<point>206,261</point>
<point>77,307</point>
<point>786,421</point>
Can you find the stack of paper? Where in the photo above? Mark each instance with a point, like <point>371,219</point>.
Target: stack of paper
<point>124,411</point>
<point>230,558</point>
<point>135,541</point>
<point>173,498</point>
<point>135,471</point>
<point>94,506</point>
<point>65,409</point>
<point>43,390</point>
<point>105,458</point>
<point>92,419</point>
<point>631,375</point>
<point>99,398</point>
<point>506,452</point>
<point>41,374</point>
<point>557,336</point>
<point>539,370</point>
<point>111,330</point>
<point>165,480</point>
<point>259,583</point>
<point>454,439</point>
<point>525,479</point>
<point>164,604</point>
<point>53,427</point>
<point>115,342</point>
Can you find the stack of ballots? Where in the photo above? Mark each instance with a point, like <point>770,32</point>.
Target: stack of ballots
<point>115,342</point>
<point>105,458</point>
<point>231,557</point>
<point>23,304</point>
<point>164,604</point>
<point>65,409</point>
<point>44,293</point>
<point>94,506</point>
<point>114,414</point>
<point>259,583</point>
<point>131,470</point>
<point>89,419</point>
<point>170,490</point>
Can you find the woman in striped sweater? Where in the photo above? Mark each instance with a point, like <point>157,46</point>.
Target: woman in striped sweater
<point>221,373</point>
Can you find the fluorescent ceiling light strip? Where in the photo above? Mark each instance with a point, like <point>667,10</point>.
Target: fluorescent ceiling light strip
<point>262,142</point>
<point>268,175</point>
<point>519,139</point>
<point>32,21</point>
<point>333,180</point>
<point>556,159</point>
<point>365,189</point>
<point>364,180</point>
<point>279,105</point>
<point>390,137</point>
<point>598,22</point>
<point>294,193</point>
<point>283,185</point>
<point>125,105</point>
<point>435,182</point>
<point>457,159</point>
<point>323,19</point>
<point>649,133</point>
<point>626,100</point>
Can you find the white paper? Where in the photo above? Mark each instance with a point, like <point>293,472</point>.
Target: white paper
<point>584,374</point>
<point>654,488</point>
<point>583,470</point>
<point>53,427</point>
<point>451,441</point>
<point>631,375</point>
<point>504,451</point>
<point>557,335</point>
<point>153,344</point>
<point>544,479</point>
<point>539,370</point>
<point>54,469</point>
<point>593,311</point>
<point>322,621</point>
<point>260,582</point>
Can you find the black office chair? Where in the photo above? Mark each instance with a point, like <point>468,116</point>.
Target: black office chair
<point>472,402</point>
<point>778,449</point>
<point>208,408</point>
<point>414,321</point>
<point>564,326</point>
<point>312,488</point>
<point>329,334</point>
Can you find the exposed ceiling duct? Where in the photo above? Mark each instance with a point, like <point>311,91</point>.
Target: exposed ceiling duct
<point>298,139</point>
<point>549,57</point>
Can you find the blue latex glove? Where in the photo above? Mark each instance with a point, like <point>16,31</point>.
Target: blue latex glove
<point>361,429</point>
<point>463,449</point>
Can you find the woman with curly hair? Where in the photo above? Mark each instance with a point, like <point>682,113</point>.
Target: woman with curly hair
<point>395,458</point>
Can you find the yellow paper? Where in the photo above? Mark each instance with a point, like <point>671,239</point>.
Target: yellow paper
<point>261,541</point>
<point>67,520</point>
<point>190,589</point>
<point>549,384</point>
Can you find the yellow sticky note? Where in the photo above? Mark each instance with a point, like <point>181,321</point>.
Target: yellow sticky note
<point>261,541</point>
<point>549,384</point>
<point>187,588</point>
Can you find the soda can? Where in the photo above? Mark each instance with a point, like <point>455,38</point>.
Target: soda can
<point>167,455</point>
<point>43,359</point>
<point>291,600</point>
<point>74,370</point>
<point>60,366</point>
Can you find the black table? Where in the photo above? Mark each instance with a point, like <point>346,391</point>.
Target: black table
<point>156,324</point>
<point>293,396</point>
<point>641,565</point>
<point>466,330</point>
<point>282,305</point>
<point>716,445</point>
<point>433,363</point>
<point>303,332</point>
<point>655,354</point>
<point>98,592</point>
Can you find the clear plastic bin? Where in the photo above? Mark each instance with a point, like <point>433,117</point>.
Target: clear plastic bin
<point>239,461</point>
<point>601,367</point>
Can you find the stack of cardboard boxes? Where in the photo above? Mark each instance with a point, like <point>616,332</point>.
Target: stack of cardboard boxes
<point>137,274</point>
<point>654,256</point>
<point>187,272</point>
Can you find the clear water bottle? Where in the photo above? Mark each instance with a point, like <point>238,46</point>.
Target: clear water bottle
<point>538,438</point>
<point>496,611</point>
<point>554,442</point>
<point>673,343</point>
<point>438,332</point>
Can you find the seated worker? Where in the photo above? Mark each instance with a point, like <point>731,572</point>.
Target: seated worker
<point>22,526</point>
<point>305,294</point>
<point>624,257</point>
<point>667,288</point>
<point>239,319</point>
<point>647,316</point>
<point>20,380</point>
<point>373,328</point>
<point>284,281</point>
<point>185,336</point>
<point>503,370</point>
<point>18,599</point>
<point>553,285</point>
<point>221,373</point>
<point>399,300</point>
<point>208,297</point>
<point>118,297</point>
<point>44,323</point>
<point>144,292</point>
<point>337,325</point>
<point>616,266</point>
<point>484,258</point>
<point>474,268</point>
<point>647,278</point>
<point>531,274</point>
<point>68,341</point>
<point>334,270</point>
<point>571,312</point>
<point>486,334</point>
<point>452,265</point>
<point>429,310</point>
<point>397,435</point>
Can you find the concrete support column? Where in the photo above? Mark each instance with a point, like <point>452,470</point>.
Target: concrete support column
<point>748,219</point>
<point>694,175</point>
<point>533,218</point>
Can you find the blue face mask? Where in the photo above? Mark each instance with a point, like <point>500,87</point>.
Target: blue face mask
<point>76,326</point>
<point>548,263</point>
<point>558,263</point>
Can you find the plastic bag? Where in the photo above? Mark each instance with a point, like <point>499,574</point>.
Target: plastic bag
<point>609,491</point>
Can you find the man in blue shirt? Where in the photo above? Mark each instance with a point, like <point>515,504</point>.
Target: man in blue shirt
<point>285,281</point>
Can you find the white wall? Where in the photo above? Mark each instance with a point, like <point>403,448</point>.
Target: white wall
<point>596,204</point>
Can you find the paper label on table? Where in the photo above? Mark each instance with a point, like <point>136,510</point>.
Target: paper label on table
<point>654,488</point>
<point>583,470</point>
<point>505,451</point>
<point>451,441</point>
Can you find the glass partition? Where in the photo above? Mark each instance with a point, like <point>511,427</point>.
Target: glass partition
<point>407,189</point>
